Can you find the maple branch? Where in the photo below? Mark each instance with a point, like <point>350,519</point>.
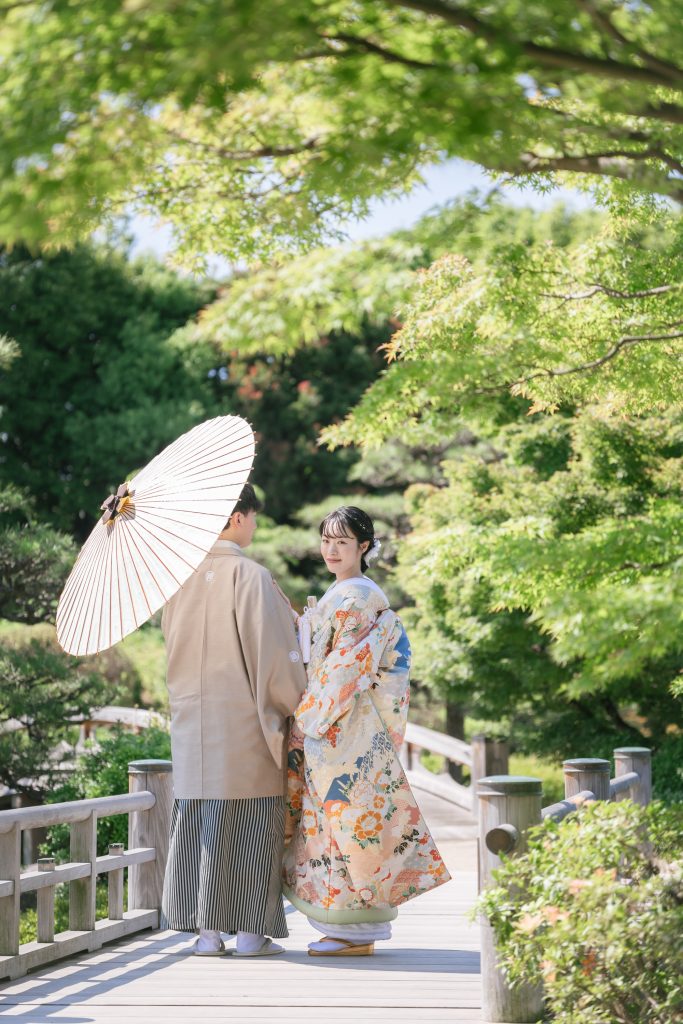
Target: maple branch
<point>547,56</point>
<point>619,346</point>
<point>381,51</point>
<point>614,293</point>
<point>604,23</point>
<point>610,164</point>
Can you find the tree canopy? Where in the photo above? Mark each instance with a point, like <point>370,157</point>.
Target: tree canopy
<point>253,127</point>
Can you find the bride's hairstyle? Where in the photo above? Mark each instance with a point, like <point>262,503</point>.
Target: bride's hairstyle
<point>350,520</point>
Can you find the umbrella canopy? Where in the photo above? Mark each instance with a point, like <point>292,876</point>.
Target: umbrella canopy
<point>153,534</point>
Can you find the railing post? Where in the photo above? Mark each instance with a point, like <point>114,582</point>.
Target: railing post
<point>45,898</point>
<point>489,757</point>
<point>149,828</point>
<point>515,801</point>
<point>636,759</point>
<point>587,773</point>
<point>115,887</point>
<point>10,870</point>
<point>82,893</point>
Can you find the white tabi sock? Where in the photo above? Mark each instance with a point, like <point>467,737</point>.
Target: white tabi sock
<point>208,940</point>
<point>249,942</point>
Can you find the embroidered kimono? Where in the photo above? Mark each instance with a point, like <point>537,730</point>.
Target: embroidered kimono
<point>357,845</point>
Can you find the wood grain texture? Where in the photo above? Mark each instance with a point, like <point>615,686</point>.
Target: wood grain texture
<point>428,971</point>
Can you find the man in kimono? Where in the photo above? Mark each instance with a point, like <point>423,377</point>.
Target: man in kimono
<point>234,676</point>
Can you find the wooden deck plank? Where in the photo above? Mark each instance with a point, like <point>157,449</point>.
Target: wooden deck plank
<point>429,970</point>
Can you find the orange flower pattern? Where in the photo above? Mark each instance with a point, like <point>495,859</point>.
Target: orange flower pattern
<point>356,840</point>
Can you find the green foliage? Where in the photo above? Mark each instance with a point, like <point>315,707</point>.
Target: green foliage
<point>96,389</point>
<point>103,771</point>
<point>253,128</point>
<point>28,924</point>
<point>544,579</point>
<point>595,907</point>
<point>667,769</point>
<point>34,561</point>
<point>42,689</point>
<point>595,322</point>
<point>288,398</point>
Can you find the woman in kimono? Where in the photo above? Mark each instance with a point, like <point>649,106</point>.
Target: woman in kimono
<point>357,845</point>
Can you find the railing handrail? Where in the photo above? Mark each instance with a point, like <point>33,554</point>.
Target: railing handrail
<point>148,806</point>
<point>439,743</point>
<point>71,811</point>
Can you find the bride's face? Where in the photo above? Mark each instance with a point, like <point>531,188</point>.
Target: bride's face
<point>342,554</point>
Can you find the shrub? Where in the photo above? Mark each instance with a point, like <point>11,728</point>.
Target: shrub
<point>103,771</point>
<point>595,908</point>
<point>667,769</point>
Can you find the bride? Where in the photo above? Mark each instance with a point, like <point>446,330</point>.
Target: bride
<point>357,845</point>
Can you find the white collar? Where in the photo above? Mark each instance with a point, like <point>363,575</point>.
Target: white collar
<point>363,580</point>
<point>225,545</point>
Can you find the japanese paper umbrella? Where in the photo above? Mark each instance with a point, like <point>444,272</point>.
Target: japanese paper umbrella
<point>153,534</point>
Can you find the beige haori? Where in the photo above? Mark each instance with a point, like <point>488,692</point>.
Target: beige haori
<point>234,677</point>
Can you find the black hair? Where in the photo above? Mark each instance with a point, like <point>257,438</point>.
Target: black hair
<point>247,502</point>
<point>350,520</point>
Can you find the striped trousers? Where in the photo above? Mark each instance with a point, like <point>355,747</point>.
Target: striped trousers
<point>224,866</point>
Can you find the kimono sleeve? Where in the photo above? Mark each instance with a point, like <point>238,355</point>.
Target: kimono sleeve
<point>349,668</point>
<point>271,655</point>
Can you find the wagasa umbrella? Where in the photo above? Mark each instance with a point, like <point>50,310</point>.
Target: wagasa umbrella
<point>153,534</point>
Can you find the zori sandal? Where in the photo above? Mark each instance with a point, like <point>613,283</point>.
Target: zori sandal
<point>347,948</point>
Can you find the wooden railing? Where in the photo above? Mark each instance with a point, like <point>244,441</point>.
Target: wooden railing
<point>483,757</point>
<point>148,805</point>
<point>509,805</point>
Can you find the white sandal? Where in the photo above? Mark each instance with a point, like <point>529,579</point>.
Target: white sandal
<point>269,948</point>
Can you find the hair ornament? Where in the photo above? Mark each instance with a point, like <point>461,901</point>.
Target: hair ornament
<point>373,553</point>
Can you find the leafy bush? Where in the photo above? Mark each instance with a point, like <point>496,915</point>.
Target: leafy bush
<point>667,769</point>
<point>595,907</point>
<point>42,689</point>
<point>103,771</point>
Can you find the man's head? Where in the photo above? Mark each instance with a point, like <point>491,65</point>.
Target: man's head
<point>242,524</point>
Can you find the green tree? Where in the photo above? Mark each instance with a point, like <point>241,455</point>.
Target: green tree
<point>545,581</point>
<point>254,127</point>
<point>96,389</point>
<point>42,688</point>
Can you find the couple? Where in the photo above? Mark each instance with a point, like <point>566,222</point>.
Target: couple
<point>288,780</point>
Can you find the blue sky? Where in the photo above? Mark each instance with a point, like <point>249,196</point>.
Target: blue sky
<point>442,182</point>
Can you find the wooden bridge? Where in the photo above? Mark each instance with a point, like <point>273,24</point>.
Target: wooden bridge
<point>121,968</point>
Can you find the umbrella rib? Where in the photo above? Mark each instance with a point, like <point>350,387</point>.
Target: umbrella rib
<point>91,596</point>
<point>77,578</point>
<point>144,560</point>
<point>195,526</point>
<point>198,473</point>
<point>194,480</point>
<point>145,529</point>
<point>119,561</point>
<point>164,529</point>
<point>176,451</point>
<point>124,572</point>
<point>103,590</point>
<point>91,569</point>
<point>157,518</point>
<point>192,453</point>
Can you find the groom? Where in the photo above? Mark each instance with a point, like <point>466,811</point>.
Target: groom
<point>234,677</point>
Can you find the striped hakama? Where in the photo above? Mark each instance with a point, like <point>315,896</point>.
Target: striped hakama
<point>224,866</point>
